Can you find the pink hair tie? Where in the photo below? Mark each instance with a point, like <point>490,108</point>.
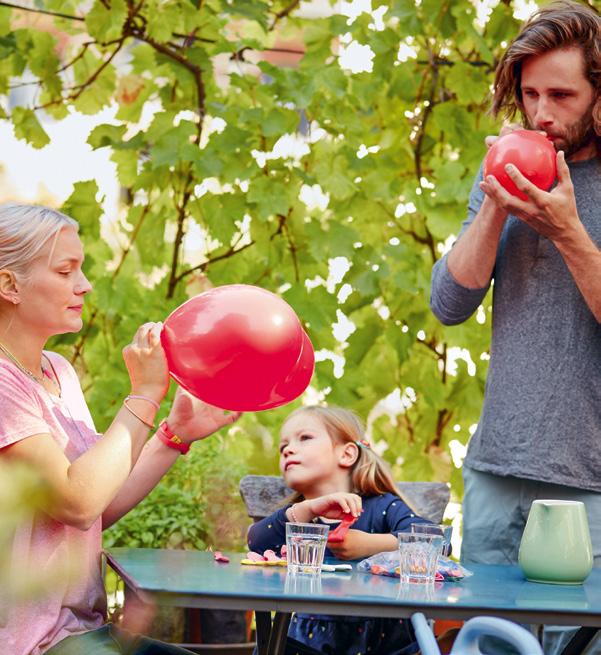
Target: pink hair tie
<point>146,398</point>
<point>363,442</point>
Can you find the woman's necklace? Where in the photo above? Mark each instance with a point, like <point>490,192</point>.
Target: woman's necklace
<point>30,374</point>
<point>40,380</point>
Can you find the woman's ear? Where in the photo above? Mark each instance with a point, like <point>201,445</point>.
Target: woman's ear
<point>348,455</point>
<point>9,289</point>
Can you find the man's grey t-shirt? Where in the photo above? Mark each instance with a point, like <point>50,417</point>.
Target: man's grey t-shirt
<point>541,417</point>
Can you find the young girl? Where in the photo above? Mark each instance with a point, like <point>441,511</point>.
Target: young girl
<point>92,479</point>
<point>326,460</point>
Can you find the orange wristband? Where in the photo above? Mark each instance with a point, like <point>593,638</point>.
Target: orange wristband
<point>170,439</point>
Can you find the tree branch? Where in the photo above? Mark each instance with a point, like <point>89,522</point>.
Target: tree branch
<point>232,250</point>
<point>80,88</point>
<point>32,10</point>
<point>285,12</point>
<point>179,237</point>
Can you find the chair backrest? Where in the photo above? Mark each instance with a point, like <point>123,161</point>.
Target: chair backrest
<point>263,493</point>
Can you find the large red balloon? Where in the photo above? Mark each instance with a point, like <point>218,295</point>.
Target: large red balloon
<point>237,347</point>
<point>296,381</point>
<point>531,153</point>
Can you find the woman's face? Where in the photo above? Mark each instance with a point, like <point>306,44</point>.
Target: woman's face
<point>51,297</point>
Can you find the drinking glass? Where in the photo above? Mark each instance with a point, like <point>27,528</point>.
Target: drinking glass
<point>446,531</point>
<point>418,556</point>
<point>305,546</point>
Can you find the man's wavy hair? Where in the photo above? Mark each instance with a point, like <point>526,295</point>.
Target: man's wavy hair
<point>561,24</point>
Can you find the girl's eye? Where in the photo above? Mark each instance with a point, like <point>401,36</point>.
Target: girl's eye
<point>64,272</point>
<point>304,437</point>
<point>282,446</point>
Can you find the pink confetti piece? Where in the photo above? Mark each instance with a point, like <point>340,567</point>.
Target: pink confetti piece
<point>254,557</point>
<point>220,557</point>
<point>270,556</point>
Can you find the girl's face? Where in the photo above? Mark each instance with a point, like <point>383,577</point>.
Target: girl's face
<point>309,458</point>
<point>51,297</point>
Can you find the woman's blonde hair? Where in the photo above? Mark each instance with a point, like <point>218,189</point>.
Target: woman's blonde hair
<point>24,229</point>
<point>370,474</point>
<point>562,24</point>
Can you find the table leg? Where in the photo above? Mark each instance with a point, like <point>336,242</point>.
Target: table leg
<point>279,632</point>
<point>580,641</point>
<point>263,620</point>
<point>271,637</point>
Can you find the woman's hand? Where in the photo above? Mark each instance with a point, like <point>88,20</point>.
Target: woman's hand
<point>334,506</point>
<point>191,419</point>
<point>146,362</point>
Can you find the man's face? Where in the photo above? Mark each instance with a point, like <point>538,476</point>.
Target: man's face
<point>558,98</point>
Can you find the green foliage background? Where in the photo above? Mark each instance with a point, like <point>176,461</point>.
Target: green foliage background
<point>423,120</point>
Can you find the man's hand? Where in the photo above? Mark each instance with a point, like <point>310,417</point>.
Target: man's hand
<point>553,215</point>
<point>506,129</point>
<point>356,545</point>
<point>191,419</point>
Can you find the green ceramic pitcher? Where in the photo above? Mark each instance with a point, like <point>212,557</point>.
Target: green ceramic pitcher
<point>556,545</point>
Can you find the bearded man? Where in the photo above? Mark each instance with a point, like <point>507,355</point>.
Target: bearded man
<point>539,435</point>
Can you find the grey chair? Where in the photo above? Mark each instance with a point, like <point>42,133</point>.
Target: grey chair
<point>263,493</point>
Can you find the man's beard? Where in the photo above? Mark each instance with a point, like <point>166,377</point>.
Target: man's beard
<point>576,137</point>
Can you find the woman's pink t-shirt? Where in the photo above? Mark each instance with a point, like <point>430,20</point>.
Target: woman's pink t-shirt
<point>68,559</point>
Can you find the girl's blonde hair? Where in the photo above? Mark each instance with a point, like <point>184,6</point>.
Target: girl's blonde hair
<point>370,474</point>
<point>24,229</point>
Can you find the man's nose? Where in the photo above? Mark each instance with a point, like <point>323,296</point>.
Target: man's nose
<point>543,116</point>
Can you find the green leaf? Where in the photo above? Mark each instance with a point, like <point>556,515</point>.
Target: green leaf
<point>468,82</point>
<point>106,135</point>
<point>127,166</point>
<point>42,56</point>
<point>84,208</point>
<point>28,127</point>
<point>105,23</point>
<point>271,196</point>
<point>334,177</point>
<point>279,121</point>
<point>5,27</point>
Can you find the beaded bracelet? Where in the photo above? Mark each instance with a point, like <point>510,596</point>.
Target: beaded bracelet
<point>293,514</point>
<point>150,426</point>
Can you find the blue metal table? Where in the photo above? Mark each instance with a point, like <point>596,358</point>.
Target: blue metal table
<point>194,579</point>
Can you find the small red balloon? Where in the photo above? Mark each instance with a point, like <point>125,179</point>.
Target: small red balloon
<point>531,153</point>
<point>236,347</point>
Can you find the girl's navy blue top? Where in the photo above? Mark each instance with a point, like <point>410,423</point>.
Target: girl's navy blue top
<point>385,514</point>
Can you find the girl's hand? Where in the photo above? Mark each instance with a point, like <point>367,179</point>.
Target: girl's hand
<point>333,506</point>
<point>146,362</point>
<point>356,545</point>
<point>192,419</point>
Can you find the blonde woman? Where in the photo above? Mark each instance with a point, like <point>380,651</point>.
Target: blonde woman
<point>92,479</point>
<point>326,460</point>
